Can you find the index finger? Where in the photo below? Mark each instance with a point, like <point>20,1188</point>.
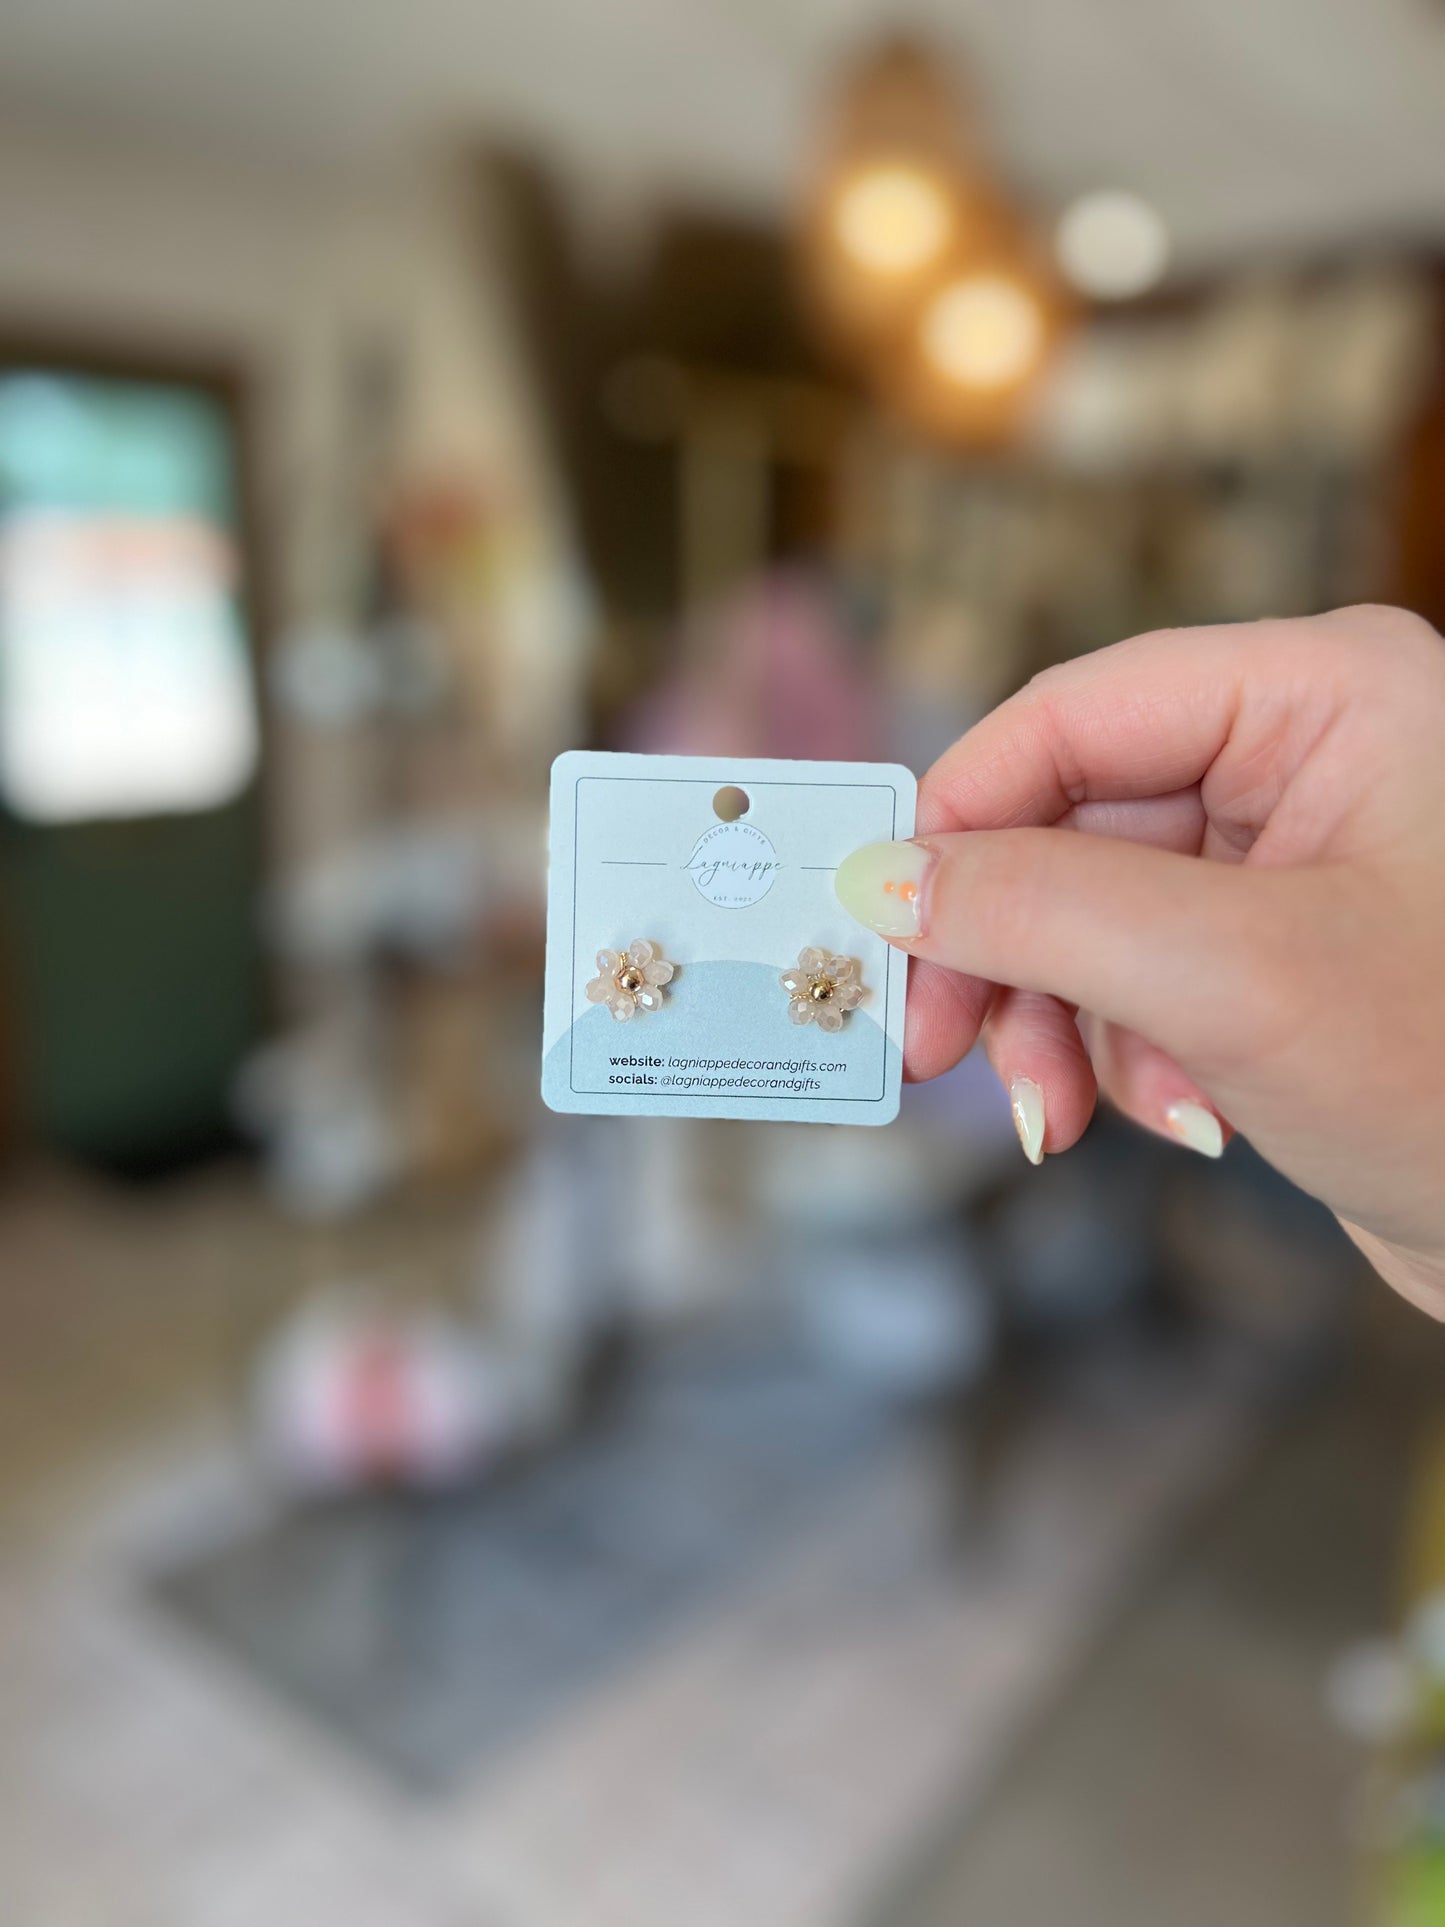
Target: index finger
<point>1143,718</point>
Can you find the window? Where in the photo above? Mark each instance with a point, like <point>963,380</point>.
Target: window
<point>125,685</point>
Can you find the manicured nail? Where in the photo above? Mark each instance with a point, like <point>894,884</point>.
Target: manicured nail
<point>1026,1101</point>
<point>1195,1126</point>
<point>882,886</point>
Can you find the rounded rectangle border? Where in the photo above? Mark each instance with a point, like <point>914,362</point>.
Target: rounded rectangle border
<point>719,940</point>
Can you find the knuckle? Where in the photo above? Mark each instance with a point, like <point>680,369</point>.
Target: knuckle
<point>1061,679</point>
<point>1044,688</point>
<point>1389,632</point>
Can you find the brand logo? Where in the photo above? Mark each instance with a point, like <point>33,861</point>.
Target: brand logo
<point>733,865</point>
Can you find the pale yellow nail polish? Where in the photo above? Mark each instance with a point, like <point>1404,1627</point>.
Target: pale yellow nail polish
<point>1026,1101</point>
<point>1195,1126</point>
<point>882,886</point>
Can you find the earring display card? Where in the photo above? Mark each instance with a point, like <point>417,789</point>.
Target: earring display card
<point>725,869</point>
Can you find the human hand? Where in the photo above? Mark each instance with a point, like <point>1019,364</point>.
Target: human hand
<point>1250,932</point>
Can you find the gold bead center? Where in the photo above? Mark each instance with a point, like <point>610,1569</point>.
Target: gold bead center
<point>630,978</point>
<point>820,990</point>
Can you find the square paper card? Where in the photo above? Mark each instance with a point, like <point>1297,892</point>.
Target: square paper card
<point>725,868</point>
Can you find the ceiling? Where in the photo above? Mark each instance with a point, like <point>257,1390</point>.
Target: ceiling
<point>1251,123</point>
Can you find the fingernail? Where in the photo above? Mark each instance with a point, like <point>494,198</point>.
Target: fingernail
<point>1026,1101</point>
<point>882,886</point>
<point>1195,1126</point>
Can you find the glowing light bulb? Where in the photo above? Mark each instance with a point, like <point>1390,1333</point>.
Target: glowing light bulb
<point>892,218</point>
<point>985,331</point>
<point>1112,245</point>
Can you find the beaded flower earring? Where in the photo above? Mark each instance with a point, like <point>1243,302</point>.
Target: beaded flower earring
<point>821,989</point>
<point>630,980</point>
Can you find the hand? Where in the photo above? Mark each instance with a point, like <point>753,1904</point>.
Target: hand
<point>1250,932</point>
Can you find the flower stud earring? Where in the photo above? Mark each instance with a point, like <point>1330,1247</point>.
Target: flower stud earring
<point>821,989</point>
<point>629,980</point>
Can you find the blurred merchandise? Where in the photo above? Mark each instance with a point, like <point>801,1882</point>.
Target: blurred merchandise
<point>350,1393</point>
<point>908,1319</point>
<point>330,1144</point>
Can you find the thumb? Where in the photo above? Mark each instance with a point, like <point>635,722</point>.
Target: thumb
<point>1175,947</point>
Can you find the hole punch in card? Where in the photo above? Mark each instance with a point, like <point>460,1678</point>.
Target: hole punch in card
<point>682,892</point>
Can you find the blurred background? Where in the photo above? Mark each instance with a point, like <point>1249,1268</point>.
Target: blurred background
<point>416,1508</point>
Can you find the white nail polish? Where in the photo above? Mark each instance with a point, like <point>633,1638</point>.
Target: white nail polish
<point>1026,1101</point>
<point>1195,1126</point>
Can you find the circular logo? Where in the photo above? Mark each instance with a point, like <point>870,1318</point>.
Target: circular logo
<point>733,865</point>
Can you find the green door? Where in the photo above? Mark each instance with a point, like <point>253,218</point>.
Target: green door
<point>129,759</point>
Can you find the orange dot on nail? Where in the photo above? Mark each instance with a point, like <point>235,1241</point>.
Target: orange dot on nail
<point>888,889</point>
<point>908,891</point>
